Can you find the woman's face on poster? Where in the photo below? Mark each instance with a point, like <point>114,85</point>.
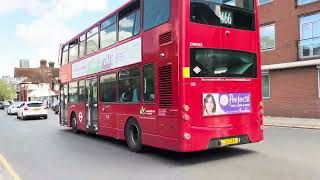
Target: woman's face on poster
<point>210,105</point>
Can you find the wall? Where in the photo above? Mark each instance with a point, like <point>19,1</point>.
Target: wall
<point>294,93</point>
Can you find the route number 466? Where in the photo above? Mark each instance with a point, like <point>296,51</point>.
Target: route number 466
<point>226,17</point>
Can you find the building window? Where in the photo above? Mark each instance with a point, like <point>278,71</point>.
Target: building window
<point>108,88</point>
<point>303,2</point>
<point>129,23</point>
<point>264,1</point>
<point>129,85</point>
<point>309,45</point>
<point>265,85</point>
<point>155,12</point>
<point>148,83</point>
<point>267,35</point>
<point>108,35</point>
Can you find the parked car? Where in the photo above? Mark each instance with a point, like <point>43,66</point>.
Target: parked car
<point>13,108</point>
<point>32,109</point>
<point>4,105</point>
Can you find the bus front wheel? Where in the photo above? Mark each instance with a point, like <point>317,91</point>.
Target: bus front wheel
<point>74,124</point>
<point>133,135</point>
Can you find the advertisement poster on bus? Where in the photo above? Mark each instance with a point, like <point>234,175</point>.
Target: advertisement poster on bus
<point>122,55</point>
<point>226,103</point>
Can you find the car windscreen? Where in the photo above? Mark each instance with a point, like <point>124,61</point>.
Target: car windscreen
<point>34,104</point>
<point>222,63</point>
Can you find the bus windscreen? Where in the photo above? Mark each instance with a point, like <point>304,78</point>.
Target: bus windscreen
<point>222,63</point>
<point>237,14</point>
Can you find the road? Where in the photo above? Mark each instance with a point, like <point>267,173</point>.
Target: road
<point>42,150</point>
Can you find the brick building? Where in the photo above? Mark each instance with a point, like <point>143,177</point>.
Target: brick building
<point>35,79</point>
<point>290,44</point>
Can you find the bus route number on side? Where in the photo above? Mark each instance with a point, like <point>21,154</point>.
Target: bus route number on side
<point>226,17</point>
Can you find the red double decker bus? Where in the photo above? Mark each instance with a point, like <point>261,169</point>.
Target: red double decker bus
<point>182,75</point>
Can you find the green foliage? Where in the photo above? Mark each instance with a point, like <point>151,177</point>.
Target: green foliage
<point>7,92</point>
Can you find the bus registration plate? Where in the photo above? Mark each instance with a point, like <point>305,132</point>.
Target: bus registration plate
<point>229,141</point>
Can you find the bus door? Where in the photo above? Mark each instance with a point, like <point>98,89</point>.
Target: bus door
<point>92,105</point>
<point>63,104</point>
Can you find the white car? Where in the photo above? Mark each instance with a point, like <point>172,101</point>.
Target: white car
<point>32,109</point>
<point>13,108</point>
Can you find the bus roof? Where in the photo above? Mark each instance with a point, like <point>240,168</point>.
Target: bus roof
<point>99,21</point>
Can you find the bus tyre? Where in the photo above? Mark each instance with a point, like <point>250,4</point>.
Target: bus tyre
<point>74,124</point>
<point>133,135</point>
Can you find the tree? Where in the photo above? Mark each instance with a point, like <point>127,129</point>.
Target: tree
<point>7,92</point>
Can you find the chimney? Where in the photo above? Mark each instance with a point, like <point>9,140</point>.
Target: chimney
<point>43,63</point>
<point>51,64</point>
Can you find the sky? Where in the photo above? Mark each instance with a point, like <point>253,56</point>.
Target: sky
<point>34,29</point>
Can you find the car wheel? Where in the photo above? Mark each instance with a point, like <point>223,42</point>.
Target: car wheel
<point>133,135</point>
<point>74,124</point>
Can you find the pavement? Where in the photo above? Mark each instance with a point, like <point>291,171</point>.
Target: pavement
<point>292,122</point>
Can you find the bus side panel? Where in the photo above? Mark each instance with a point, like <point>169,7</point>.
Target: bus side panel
<point>70,110</point>
<point>81,115</point>
<point>79,110</point>
<point>132,110</point>
<point>107,121</point>
<point>169,127</point>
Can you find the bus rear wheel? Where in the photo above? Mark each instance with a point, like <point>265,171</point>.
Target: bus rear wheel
<point>133,135</point>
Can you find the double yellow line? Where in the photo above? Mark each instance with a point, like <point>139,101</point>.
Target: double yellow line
<point>8,168</point>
